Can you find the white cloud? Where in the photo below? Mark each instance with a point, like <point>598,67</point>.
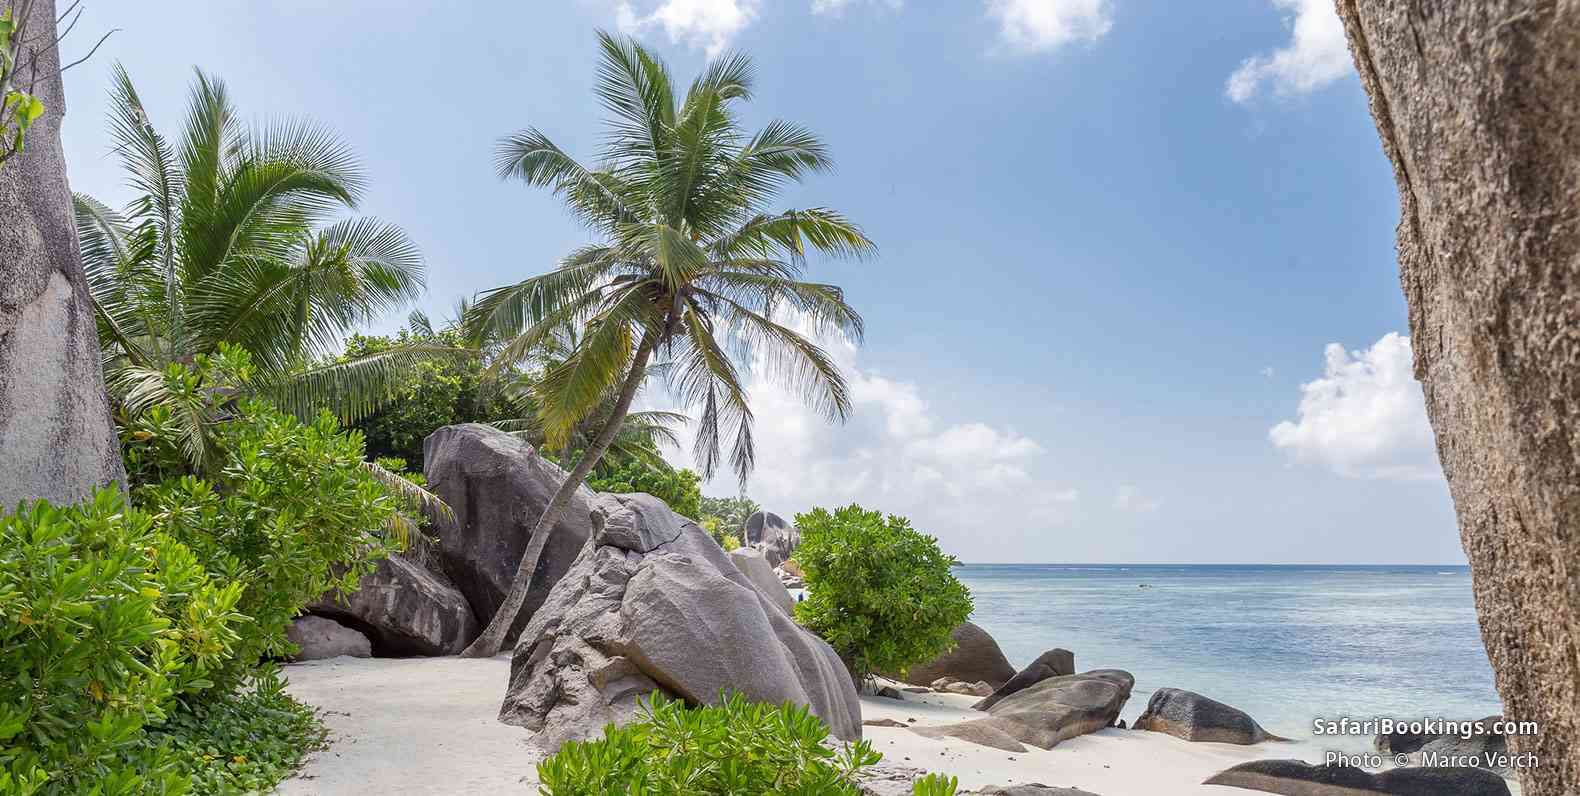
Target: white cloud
<point>704,24</point>
<point>1315,56</point>
<point>837,7</point>
<point>1038,25</point>
<point>1365,417</point>
<point>1268,371</point>
<point>1129,497</point>
<point>955,478</point>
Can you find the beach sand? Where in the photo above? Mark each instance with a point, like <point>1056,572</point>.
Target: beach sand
<point>427,726</point>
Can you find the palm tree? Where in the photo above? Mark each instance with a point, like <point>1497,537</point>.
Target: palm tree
<point>692,269</point>
<point>231,242</point>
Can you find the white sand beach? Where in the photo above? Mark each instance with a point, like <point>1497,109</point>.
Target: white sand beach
<point>427,726</point>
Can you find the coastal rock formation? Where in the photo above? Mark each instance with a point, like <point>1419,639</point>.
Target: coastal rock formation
<point>1485,747</point>
<point>1044,714</point>
<point>1193,717</point>
<point>975,656</point>
<point>752,564</point>
<point>978,688</point>
<point>317,638</point>
<point>55,428</point>
<point>1297,778</point>
<point>498,485</point>
<point>1053,663</point>
<point>1478,108</point>
<point>652,602</point>
<point>405,610</point>
<point>769,533</point>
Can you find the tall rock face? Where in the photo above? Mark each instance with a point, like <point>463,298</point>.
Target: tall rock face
<point>771,534</point>
<point>653,603</point>
<point>1478,108</point>
<point>498,485</point>
<point>55,431</point>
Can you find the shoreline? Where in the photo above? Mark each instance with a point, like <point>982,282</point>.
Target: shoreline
<point>428,726</point>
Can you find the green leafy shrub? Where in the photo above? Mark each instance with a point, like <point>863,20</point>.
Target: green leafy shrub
<point>677,488</point>
<point>104,622</point>
<point>735,747</point>
<point>290,512</point>
<point>246,742</point>
<point>879,592</point>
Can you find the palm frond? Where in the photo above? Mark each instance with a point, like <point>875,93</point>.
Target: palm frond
<point>355,388</point>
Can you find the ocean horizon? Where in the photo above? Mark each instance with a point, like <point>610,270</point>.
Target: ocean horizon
<point>1287,643</point>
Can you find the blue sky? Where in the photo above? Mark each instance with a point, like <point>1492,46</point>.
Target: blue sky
<point>1136,298</point>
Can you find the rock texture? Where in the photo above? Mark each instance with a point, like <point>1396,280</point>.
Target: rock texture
<point>55,426</point>
<point>1297,778</point>
<point>498,485</point>
<point>770,533</point>
<point>317,638</point>
<point>652,602</point>
<point>975,656</point>
<point>405,610</point>
<point>1051,711</point>
<point>756,569</point>
<point>1053,663</point>
<point>1478,108</point>
<point>1193,717</point>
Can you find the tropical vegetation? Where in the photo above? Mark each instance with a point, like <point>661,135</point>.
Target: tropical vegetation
<point>232,240</point>
<point>735,746</point>
<point>878,591</point>
<point>694,269</point>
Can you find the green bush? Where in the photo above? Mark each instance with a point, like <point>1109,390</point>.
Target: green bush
<point>735,747</point>
<point>246,742</point>
<point>677,488</point>
<point>290,513</point>
<point>880,593</point>
<point>104,622</point>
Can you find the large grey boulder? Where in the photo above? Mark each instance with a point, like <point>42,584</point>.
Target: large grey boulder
<point>1298,778</point>
<point>770,533</point>
<point>651,602</point>
<point>498,485</point>
<point>405,609</point>
<point>756,569</point>
<point>975,656</point>
<point>1054,710</point>
<point>317,638</point>
<point>55,432</point>
<point>1053,663</point>
<point>1193,717</point>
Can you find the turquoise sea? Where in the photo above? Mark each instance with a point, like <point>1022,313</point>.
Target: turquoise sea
<point>1283,643</point>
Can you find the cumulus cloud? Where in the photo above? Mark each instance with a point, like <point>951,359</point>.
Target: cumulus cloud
<point>954,478</point>
<point>1364,417</point>
<point>705,24</point>
<point>1041,25</point>
<point>837,7</point>
<point>1315,56</point>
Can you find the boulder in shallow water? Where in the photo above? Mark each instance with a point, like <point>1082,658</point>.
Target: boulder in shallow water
<point>652,602</point>
<point>975,656</point>
<point>405,609</point>
<point>1054,710</point>
<point>1297,778</point>
<point>1193,717</point>
<point>498,485</point>
<point>318,638</point>
<point>1053,663</point>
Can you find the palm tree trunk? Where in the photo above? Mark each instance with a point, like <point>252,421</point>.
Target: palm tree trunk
<point>1478,107</point>
<point>55,427</point>
<point>514,612</point>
